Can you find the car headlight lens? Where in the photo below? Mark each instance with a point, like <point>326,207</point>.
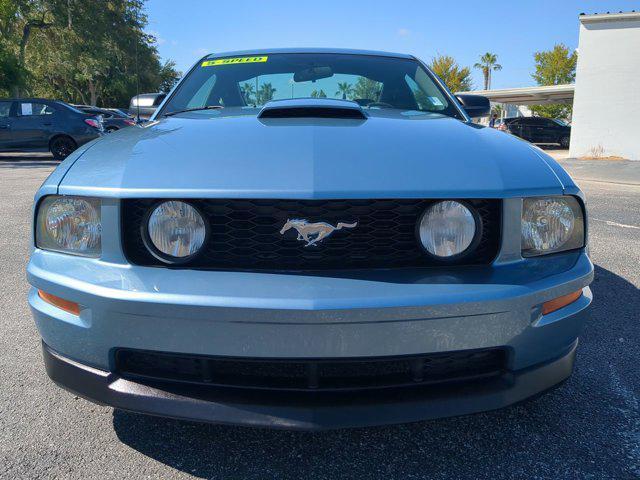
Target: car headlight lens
<point>70,225</point>
<point>176,230</point>
<point>447,229</point>
<point>551,224</point>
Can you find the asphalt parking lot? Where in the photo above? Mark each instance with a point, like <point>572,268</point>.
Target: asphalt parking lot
<point>589,428</point>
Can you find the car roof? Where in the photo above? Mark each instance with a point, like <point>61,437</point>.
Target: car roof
<point>89,107</point>
<point>348,51</point>
<point>148,95</point>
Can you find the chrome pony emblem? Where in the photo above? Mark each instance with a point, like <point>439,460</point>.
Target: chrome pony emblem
<point>312,233</point>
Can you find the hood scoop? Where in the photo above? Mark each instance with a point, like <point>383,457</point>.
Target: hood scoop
<point>312,108</point>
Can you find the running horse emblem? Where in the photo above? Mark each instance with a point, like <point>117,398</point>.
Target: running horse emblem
<point>312,233</point>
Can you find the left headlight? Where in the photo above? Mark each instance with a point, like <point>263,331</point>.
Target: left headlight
<point>551,224</point>
<point>70,225</point>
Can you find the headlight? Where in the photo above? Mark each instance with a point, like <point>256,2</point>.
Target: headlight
<point>69,225</point>
<point>447,229</point>
<point>176,231</point>
<point>551,224</point>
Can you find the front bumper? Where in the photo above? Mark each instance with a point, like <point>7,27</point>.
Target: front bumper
<point>351,315</point>
<point>306,412</point>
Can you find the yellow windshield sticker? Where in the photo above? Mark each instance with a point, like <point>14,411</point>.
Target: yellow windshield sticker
<point>233,61</point>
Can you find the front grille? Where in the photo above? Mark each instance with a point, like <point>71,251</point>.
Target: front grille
<point>317,375</point>
<point>245,234</point>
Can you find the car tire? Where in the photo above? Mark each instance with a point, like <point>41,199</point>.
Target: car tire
<point>62,147</point>
<point>564,141</point>
<point>111,129</point>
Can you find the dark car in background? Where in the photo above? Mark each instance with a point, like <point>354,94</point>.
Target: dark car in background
<point>111,118</point>
<point>143,105</point>
<point>540,130</point>
<point>40,125</point>
<point>121,111</point>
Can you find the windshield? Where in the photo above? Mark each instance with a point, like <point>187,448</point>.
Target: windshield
<point>374,82</point>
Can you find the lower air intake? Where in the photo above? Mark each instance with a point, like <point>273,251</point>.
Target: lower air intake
<point>317,374</point>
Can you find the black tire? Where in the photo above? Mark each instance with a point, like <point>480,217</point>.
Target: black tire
<point>62,147</point>
<point>111,129</point>
<point>564,141</point>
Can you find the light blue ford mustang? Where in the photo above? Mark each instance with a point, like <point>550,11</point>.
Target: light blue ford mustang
<point>310,239</point>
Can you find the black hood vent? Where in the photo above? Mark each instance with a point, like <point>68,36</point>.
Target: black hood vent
<point>312,108</point>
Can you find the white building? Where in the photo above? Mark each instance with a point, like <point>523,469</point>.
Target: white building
<point>606,106</point>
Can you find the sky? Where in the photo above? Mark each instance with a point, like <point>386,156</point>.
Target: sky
<point>514,29</point>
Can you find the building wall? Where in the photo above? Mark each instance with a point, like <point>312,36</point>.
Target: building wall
<point>513,110</point>
<point>606,107</point>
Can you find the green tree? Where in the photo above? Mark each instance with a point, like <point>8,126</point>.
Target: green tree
<point>80,52</point>
<point>169,76</point>
<point>318,94</point>
<point>345,89</point>
<point>456,78</point>
<point>265,93</point>
<point>11,75</point>
<point>488,63</point>
<point>367,88</point>
<point>555,67</point>
<point>19,19</point>
<point>248,91</point>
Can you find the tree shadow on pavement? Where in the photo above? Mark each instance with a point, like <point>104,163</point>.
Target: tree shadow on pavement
<point>587,428</point>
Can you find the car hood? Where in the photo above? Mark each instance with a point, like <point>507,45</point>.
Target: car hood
<point>390,154</point>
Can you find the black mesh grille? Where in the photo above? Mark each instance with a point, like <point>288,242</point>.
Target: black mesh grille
<point>367,373</point>
<point>245,234</point>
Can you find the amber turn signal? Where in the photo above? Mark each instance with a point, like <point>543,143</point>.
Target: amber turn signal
<point>61,303</point>
<point>558,303</point>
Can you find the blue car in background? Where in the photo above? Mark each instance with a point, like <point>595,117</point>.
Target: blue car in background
<point>310,239</point>
<point>43,125</point>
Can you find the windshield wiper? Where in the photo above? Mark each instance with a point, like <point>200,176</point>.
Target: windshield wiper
<point>206,107</point>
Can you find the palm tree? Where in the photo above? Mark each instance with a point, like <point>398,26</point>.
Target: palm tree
<point>318,94</point>
<point>344,88</point>
<point>265,93</point>
<point>488,63</point>
<point>247,91</point>
<point>497,109</point>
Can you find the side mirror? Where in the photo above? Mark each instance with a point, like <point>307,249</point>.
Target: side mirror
<point>475,105</point>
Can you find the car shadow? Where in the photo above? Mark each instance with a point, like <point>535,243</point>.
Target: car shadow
<point>31,160</point>
<point>577,430</point>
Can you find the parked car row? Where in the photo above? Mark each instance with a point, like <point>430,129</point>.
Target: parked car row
<point>40,125</point>
<point>112,118</point>
<point>538,130</point>
<point>36,124</point>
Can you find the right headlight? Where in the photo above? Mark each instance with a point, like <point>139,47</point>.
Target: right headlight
<point>551,224</point>
<point>69,224</point>
<point>447,229</point>
<point>176,231</point>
